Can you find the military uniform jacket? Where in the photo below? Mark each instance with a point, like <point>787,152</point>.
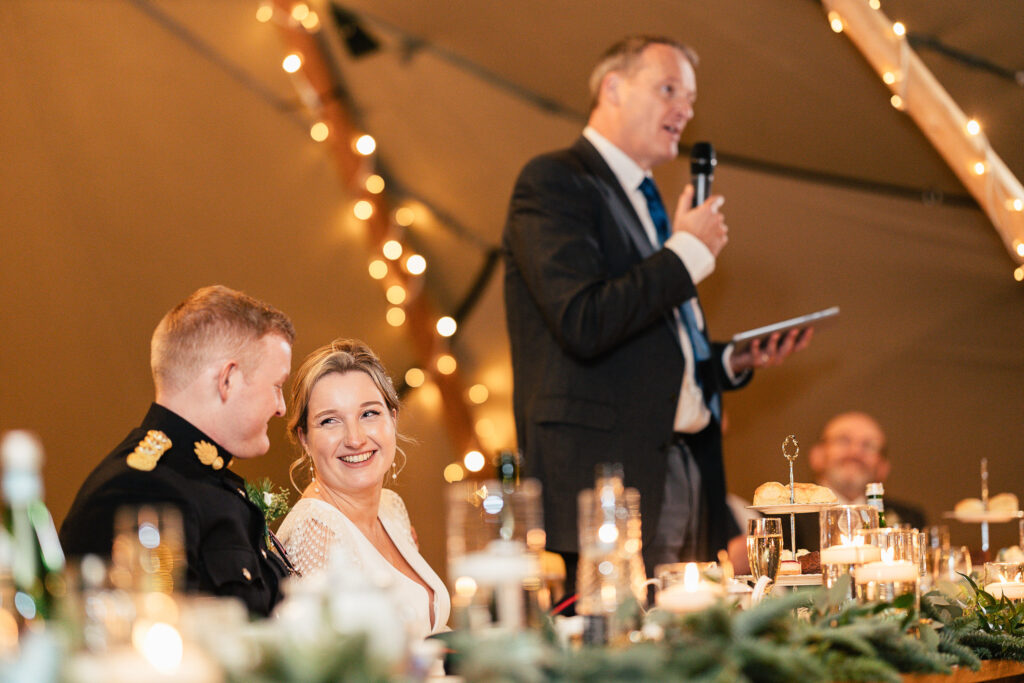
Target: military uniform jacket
<point>167,460</point>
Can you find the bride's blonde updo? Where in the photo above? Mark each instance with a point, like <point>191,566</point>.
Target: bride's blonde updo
<point>341,355</point>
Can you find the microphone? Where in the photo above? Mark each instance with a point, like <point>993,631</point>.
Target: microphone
<point>702,170</point>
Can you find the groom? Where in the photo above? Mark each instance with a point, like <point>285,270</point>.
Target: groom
<point>220,360</point>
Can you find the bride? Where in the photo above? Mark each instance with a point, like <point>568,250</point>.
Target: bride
<point>343,414</point>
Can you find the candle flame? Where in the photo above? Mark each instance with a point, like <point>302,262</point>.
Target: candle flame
<point>691,577</point>
<point>888,554</point>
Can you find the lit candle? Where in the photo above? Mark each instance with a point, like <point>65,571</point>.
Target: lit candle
<point>850,553</point>
<point>692,595</point>
<point>1013,590</point>
<point>886,571</point>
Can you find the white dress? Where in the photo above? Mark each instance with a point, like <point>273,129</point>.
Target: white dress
<point>315,532</point>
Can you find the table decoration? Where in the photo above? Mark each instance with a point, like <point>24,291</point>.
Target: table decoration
<point>842,547</point>
<point>896,572</point>
<point>692,594</point>
<point>1005,579</point>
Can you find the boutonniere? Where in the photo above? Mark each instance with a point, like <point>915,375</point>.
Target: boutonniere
<point>273,504</point>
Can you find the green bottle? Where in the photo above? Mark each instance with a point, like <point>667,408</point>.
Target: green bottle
<point>36,560</point>
<point>874,494</point>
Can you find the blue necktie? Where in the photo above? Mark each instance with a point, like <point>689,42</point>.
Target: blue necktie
<point>699,343</point>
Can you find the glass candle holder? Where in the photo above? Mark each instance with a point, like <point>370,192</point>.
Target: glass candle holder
<point>495,537</point>
<point>895,573</point>
<point>1005,579</point>
<point>842,546</point>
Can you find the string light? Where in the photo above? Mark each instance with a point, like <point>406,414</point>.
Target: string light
<point>1015,204</point>
<point>446,326</point>
<point>374,184</point>
<point>478,393</point>
<point>363,209</point>
<point>415,265</point>
<point>474,461</point>
<point>395,316</point>
<point>899,29</point>
<point>888,78</point>
<point>365,145</point>
<point>404,216</point>
<point>453,473</point>
<point>835,21</point>
<point>396,294</point>
<point>311,23</point>
<point>292,63</point>
<point>1018,274</point>
<point>392,250</point>
<point>415,377</point>
<point>446,364</point>
<point>265,12</point>
<point>378,269</point>
<point>874,4</point>
<point>973,127</point>
<point>319,131</point>
<point>979,168</point>
<point>896,101</point>
<point>300,11</point>
<point>1018,246</point>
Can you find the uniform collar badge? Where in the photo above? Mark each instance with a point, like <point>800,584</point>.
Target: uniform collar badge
<point>207,454</point>
<point>148,452</point>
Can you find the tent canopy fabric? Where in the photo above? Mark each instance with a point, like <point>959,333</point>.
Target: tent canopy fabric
<point>151,147</point>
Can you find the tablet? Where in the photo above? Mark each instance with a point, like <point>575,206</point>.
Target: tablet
<point>741,342</point>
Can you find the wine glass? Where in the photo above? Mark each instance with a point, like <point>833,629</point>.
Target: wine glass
<point>764,546</point>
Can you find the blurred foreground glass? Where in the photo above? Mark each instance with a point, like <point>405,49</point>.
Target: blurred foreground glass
<point>843,548</point>
<point>764,546</point>
<point>896,572</point>
<point>952,562</point>
<point>148,553</point>
<point>495,537</point>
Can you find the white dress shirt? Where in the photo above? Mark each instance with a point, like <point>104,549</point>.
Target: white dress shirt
<point>692,414</point>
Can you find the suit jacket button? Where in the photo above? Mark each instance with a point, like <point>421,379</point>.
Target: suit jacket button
<point>264,553</point>
<point>246,574</point>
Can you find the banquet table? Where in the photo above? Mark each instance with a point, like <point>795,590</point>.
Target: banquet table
<point>992,670</point>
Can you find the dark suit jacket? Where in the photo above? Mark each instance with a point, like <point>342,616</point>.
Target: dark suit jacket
<point>225,543</point>
<point>596,358</point>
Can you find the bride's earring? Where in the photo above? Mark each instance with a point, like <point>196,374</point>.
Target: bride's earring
<point>394,471</point>
<point>312,475</point>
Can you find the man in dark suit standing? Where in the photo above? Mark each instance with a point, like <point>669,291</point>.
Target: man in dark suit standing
<point>611,362</point>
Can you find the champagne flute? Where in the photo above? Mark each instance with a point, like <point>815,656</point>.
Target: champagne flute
<point>764,546</point>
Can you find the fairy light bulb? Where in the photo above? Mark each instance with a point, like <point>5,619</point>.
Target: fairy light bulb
<point>392,250</point>
<point>365,145</point>
<point>404,216</point>
<point>474,461</point>
<point>292,63</point>
<point>979,168</point>
<point>415,265</point>
<point>973,127</point>
<point>478,393</point>
<point>362,209</point>
<point>374,184</point>
<point>265,12</point>
<point>453,473</point>
<point>835,21</point>
<point>415,377</point>
<point>446,326</point>
<point>899,29</point>
<point>888,78</point>
<point>378,269</point>
<point>396,294</point>
<point>319,131</point>
<point>446,364</point>
<point>311,23</point>
<point>395,316</point>
<point>897,102</point>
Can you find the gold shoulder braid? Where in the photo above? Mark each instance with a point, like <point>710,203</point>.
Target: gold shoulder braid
<point>148,452</point>
<point>207,454</point>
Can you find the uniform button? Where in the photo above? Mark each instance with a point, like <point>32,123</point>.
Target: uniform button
<point>246,574</point>
<point>264,552</point>
<point>241,492</point>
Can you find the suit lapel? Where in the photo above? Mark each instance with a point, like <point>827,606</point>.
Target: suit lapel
<point>618,203</point>
<point>622,209</point>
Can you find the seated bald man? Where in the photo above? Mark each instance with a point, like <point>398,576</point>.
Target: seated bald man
<point>219,360</point>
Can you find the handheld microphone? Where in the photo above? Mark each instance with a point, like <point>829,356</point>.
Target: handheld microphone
<point>702,170</point>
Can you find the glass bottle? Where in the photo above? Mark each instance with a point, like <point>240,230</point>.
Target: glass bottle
<point>874,494</point>
<point>36,558</point>
<point>508,469</point>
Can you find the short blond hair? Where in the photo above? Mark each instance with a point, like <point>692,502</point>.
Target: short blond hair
<point>340,356</point>
<point>213,322</point>
<point>624,55</point>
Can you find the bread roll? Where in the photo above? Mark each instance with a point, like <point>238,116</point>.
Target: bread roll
<point>774,493</point>
<point>771,493</point>
<point>969,506</point>
<point>1003,502</point>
